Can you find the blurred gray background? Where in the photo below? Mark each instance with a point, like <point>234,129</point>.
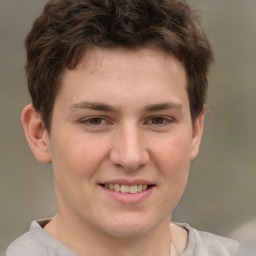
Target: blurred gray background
<point>221,194</point>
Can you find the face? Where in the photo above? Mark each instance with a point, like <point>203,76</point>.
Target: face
<point>121,121</point>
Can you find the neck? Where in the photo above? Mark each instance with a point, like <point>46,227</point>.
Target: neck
<point>87,241</point>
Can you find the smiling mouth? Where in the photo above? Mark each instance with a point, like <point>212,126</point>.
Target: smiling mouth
<point>126,189</point>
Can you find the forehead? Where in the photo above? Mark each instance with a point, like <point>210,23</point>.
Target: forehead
<point>98,59</point>
<point>110,73</point>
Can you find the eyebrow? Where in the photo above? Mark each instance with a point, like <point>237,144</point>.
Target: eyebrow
<point>162,106</point>
<point>94,106</point>
<point>106,107</point>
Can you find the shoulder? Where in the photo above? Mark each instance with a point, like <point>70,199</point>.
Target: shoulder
<point>202,243</point>
<point>25,245</point>
<point>31,243</point>
<point>216,244</point>
<point>37,242</point>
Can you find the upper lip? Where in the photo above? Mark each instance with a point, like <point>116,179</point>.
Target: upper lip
<point>128,182</point>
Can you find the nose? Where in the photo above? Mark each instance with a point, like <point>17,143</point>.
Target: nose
<point>128,149</point>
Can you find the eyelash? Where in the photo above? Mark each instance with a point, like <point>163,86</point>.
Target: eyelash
<point>88,120</point>
<point>164,121</point>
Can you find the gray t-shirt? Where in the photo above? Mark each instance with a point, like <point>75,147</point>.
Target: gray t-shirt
<point>37,242</point>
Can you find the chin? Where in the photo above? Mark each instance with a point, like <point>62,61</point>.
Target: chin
<point>130,228</point>
<point>128,233</point>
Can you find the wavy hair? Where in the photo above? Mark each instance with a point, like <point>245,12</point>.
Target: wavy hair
<point>66,29</point>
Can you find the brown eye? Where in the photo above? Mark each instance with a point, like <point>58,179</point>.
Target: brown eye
<point>157,120</point>
<point>95,121</point>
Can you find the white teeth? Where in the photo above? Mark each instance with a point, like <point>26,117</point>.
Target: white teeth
<point>117,187</point>
<point>144,187</point>
<point>127,189</point>
<point>133,189</point>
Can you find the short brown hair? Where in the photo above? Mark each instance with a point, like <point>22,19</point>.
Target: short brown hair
<point>67,28</point>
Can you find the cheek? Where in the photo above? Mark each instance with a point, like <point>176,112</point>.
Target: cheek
<point>77,156</point>
<point>173,160</point>
<point>174,150</point>
<point>74,162</point>
<point>175,168</point>
<point>175,173</point>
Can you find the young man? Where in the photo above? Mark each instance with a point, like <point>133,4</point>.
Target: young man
<point>118,91</point>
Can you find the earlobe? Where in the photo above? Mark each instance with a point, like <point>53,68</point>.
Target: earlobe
<point>36,135</point>
<point>198,128</point>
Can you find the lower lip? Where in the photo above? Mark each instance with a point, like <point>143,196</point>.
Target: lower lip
<point>129,198</point>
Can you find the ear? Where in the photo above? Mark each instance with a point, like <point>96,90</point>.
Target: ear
<point>36,135</point>
<point>198,127</point>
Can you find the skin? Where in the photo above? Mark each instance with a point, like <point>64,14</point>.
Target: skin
<point>120,114</point>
